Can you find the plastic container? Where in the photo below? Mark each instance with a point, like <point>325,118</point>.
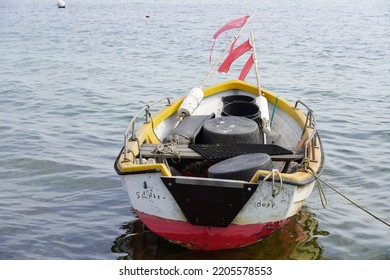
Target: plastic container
<point>237,98</point>
<point>242,109</point>
<point>231,129</point>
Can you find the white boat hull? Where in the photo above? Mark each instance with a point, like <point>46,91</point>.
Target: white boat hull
<point>263,213</point>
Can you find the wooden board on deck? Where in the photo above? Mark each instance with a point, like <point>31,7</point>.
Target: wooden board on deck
<point>185,152</point>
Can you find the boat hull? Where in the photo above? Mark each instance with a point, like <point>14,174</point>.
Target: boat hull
<point>267,210</point>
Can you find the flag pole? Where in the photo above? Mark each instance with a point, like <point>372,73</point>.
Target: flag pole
<point>263,101</point>
<point>255,60</point>
<point>224,53</point>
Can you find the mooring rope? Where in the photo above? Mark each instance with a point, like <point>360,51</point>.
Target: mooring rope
<point>324,200</point>
<point>274,193</point>
<point>308,169</point>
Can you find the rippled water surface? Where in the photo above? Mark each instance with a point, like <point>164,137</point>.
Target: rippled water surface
<point>70,80</point>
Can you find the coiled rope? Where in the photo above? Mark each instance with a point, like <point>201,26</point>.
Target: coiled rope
<point>167,148</point>
<point>322,195</point>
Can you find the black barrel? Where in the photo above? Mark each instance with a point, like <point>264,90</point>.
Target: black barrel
<point>241,167</point>
<point>237,98</point>
<point>230,129</point>
<point>242,109</point>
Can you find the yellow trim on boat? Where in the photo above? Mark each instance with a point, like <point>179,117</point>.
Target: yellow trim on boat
<point>229,85</point>
<point>157,118</point>
<point>145,132</point>
<point>165,112</point>
<point>294,177</point>
<point>130,167</point>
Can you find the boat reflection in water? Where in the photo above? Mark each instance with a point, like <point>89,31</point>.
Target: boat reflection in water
<point>297,240</point>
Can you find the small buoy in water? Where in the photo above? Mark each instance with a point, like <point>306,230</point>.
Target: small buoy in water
<point>60,4</point>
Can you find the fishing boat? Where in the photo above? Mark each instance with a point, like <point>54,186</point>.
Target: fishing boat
<point>225,165</point>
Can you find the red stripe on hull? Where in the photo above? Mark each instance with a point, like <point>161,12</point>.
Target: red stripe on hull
<point>208,238</point>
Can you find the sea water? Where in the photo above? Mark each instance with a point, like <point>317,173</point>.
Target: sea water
<point>71,79</point>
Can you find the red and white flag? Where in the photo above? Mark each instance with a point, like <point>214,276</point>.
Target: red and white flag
<point>240,22</point>
<point>236,53</point>
<point>247,67</point>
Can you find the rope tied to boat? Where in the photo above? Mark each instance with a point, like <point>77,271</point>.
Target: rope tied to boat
<point>305,167</point>
<point>274,191</point>
<point>319,181</point>
<point>167,148</point>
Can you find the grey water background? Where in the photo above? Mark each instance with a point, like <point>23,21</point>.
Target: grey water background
<point>71,79</point>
